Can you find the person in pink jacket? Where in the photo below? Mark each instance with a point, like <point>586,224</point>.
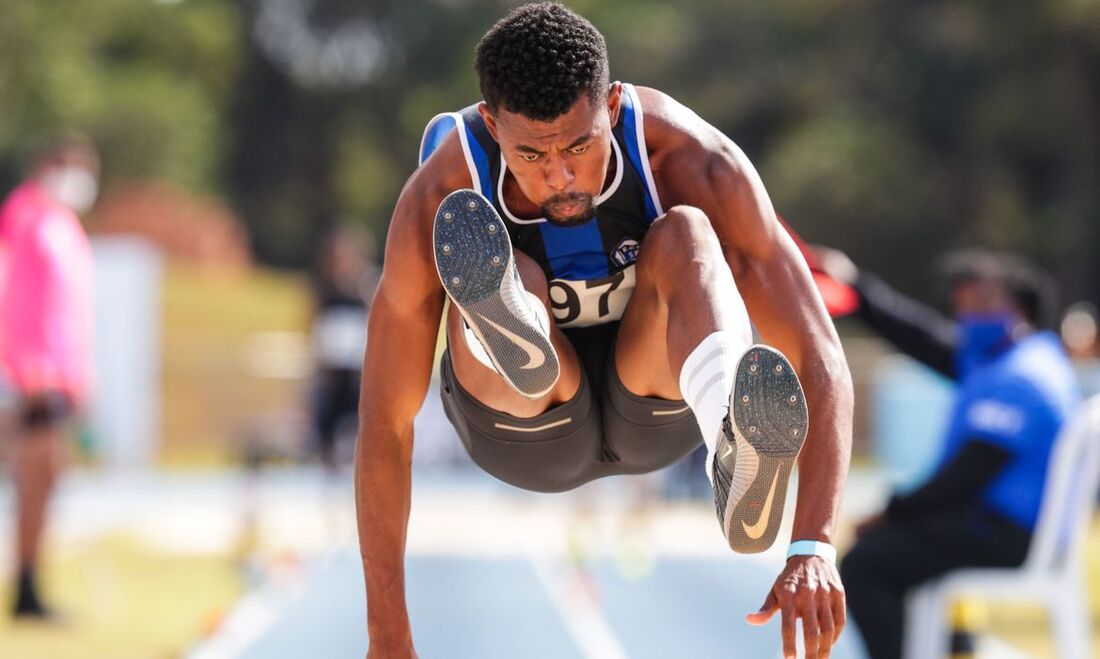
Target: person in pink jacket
<point>45,333</point>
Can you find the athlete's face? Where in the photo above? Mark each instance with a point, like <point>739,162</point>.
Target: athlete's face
<point>560,164</point>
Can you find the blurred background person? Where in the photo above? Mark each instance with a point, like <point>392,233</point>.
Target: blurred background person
<point>45,334</point>
<point>1016,387</point>
<point>1080,331</point>
<point>346,276</point>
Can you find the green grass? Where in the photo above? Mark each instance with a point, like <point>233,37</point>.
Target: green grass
<point>122,600</point>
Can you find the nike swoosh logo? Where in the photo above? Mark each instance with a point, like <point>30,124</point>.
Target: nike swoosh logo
<point>535,356</point>
<point>728,452</point>
<point>757,530</point>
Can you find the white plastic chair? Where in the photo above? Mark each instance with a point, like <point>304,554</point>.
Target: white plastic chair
<point>1052,574</point>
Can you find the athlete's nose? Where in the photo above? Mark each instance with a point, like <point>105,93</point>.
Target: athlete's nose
<point>559,176</point>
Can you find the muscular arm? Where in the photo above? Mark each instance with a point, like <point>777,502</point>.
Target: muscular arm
<point>695,164</point>
<point>403,327</point>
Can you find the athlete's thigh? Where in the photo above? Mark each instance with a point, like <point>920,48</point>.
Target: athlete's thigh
<point>486,385</point>
<point>641,349</point>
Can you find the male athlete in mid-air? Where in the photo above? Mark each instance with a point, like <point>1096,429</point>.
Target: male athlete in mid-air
<point>626,219</point>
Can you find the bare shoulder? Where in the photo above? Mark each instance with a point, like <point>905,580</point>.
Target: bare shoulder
<point>408,278</point>
<point>443,173</point>
<point>669,124</point>
<point>695,164</point>
<point>685,151</point>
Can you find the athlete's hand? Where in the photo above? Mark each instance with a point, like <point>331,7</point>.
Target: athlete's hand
<point>808,588</point>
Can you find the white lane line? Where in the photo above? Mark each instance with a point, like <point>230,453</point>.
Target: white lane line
<point>250,619</point>
<point>582,616</point>
<point>253,616</point>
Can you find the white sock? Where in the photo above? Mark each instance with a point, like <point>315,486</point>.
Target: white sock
<point>706,382</point>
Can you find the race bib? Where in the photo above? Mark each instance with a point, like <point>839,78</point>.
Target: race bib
<point>591,302</point>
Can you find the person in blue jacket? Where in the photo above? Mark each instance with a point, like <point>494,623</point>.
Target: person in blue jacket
<point>1015,388</point>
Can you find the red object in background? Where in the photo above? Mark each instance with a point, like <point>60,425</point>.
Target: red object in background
<point>840,298</point>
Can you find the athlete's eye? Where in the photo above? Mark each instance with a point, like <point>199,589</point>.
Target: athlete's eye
<point>578,150</point>
<point>529,157</point>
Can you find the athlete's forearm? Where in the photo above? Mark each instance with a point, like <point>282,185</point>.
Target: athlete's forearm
<point>383,485</point>
<point>807,337</point>
<point>823,463</point>
<point>803,331</point>
<point>397,366</point>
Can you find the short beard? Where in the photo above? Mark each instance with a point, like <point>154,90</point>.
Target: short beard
<point>586,213</point>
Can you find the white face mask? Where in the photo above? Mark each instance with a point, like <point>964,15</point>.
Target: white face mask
<point>71,186</point>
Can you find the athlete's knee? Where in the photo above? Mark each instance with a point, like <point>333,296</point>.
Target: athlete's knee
<point>681,237</point>
<point>532,276</point>
<point>683,230</point>
<point>684,214</point>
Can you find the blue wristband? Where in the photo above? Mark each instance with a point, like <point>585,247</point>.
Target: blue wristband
<point>812,548</point>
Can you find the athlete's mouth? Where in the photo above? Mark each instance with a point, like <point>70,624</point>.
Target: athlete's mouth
<point>570,209</point>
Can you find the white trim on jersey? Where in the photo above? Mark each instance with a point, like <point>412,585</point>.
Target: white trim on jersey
<point>604,196</point>
<point>642,151</point>
<point>460,127</point>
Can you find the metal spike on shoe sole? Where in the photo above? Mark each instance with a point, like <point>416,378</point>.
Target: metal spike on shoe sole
<point>473,256</point>
<point>762,438</point>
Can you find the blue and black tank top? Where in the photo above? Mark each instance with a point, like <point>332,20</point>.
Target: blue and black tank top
<point>590,268</point>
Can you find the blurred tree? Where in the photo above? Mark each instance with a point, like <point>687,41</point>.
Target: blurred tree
<point>330,109</point>
<point>149,81</point>
<point>891,130</point>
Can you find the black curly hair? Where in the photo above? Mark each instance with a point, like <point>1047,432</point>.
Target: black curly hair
<point>539,59</point>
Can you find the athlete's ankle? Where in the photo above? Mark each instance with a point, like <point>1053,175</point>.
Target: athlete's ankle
<point>706,380</point>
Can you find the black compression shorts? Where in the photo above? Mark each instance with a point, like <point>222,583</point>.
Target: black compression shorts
<point>603,430</point>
